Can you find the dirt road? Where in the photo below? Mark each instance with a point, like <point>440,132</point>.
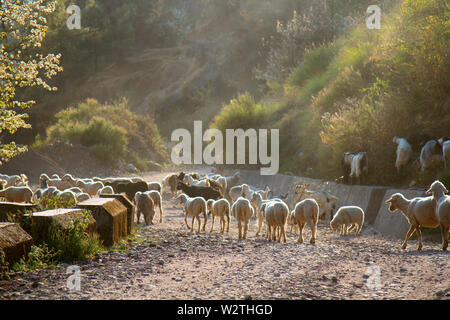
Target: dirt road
<point>170,262</point>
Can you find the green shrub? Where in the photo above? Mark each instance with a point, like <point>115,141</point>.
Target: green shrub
<point>111,130</point>
<point>48,203</point>
<point>73,243</point>
<point>39,257</point>
<point>243,112</point>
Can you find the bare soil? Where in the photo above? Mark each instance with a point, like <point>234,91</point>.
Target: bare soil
<point>170,262</point>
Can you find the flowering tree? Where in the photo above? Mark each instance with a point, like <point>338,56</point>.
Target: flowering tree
<point>22,29</point>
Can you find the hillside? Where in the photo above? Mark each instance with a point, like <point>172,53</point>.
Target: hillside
<point>359,91</point>
<point>312,68</point>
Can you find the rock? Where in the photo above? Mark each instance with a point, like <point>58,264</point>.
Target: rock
<point>154,166</point>
<point>161,262</point>
<point>131,168</point>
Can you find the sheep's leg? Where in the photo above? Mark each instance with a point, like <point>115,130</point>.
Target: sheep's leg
<point>223,224</point>
<point>312,226</point>
<point>342,230</point>
<point>160,213</point>
<point>245,229</point>
<point>240,229</point>
<point>408,235</point>
<point>419,237</point>
<point>228,223</point>
<point>138,215</point>
<point>185,220</point>
<point>205,216</point>
<point>268,232</point>
<point>199,224</point>
<point>300,232</point>
<point>444,231</point>
<point>192,224</point>
<point>352,227</point>
<point>282,233</point>
<point>359,229</point>
<point>212,224</point>
<point>260,223</point>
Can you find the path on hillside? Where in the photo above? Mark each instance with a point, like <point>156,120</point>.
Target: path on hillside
<point>170,262</point>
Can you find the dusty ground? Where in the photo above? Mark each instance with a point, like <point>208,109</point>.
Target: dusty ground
<point>170,262</point>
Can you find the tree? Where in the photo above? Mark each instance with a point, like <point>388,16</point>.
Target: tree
<point>22,29</point>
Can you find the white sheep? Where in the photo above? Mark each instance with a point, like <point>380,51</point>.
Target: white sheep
<point>306,212</point>
<point>58,183</point>
<point>236,192</point>
<point>15,180</point>
<point>442,209</point>
<point>404,153</point>
<point>144,205</point>
<point>418,211</point>
<point>105,190</point>
<point>76,190</point>
<point>430,155</point>
<point>445,150</point>
<point>193,207</point>
<point>242,210</point>
<point>17,194</point>
<point>155,186</point>
<point>326,201</point>
<point>193,182</point>
<point>233,180</point>
<point>157,201</point>
<point>82,196</point>
<point>257,202</point>
<point>90,187</point>
<point>347,218</point>
<point>275,214</point>
<point>219,208</point>
<point>41,193</point>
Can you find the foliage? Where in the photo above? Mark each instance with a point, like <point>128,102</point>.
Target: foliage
<point>242,112</point>
<point>39,257</point>
<point>73,243</point>
<point>22,64</point>
<point>358,91</point>
<point>111,130</point>
<point>48,203</point>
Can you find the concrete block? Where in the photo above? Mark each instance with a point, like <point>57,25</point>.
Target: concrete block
<point>9,208</point>
<point>110,216</point>
<point>130,209</point>
<point>14,241</point>
<point>42,221</point>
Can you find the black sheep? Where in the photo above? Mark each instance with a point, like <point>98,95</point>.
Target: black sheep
<point>130,188</point>
<point>196,191</point>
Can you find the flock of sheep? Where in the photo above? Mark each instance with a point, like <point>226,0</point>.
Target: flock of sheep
<point>222,197</point>
<point>433,152</point>
<point>204,195</point>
